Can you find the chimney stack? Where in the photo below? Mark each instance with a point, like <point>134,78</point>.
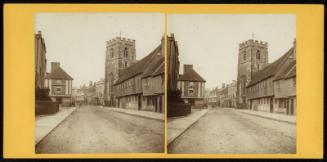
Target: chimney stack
<point>54,66</point>
<point>187,68</point>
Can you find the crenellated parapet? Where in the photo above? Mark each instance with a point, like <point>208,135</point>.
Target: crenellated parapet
<point>252,42</point>
<point>121,40</point>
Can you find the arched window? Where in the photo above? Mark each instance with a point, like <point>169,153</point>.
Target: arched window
<point>126,52</point>
<point>258,55</point>
<point>112,52</point>
<point>244,55</point>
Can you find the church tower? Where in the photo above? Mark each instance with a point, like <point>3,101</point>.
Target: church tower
<point>252,57</point>
<point>120,54</point>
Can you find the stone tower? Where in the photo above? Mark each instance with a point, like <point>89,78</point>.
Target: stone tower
<point>120,54</point>
<point>252,57</point>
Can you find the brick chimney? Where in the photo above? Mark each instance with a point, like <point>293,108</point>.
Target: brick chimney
<point>54,66</point>
<point>187,68</point>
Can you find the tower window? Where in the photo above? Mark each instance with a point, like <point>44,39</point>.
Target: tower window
<point>244,55</point>
<point>125,64</point>
<point>112,52</point>
<point>258,55</point>
<point>126,52</point>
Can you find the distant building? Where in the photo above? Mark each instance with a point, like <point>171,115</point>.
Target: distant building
<point>60,85</point>
<point>223,96</point>
<point>120,54</point>
<point>212,98</point>
<point>99,90</point>
<point>90,94</point>
<point>141,85</point>
<point>232,94</point>
<point>192,86</point>
<point>273,88</point>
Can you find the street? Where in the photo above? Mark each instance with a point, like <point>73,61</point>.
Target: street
<point>96,130</point>
<point>226,131</point>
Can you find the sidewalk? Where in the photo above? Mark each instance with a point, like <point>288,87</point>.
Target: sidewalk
<point>140,113</point>
<point>46,123</point>
<point>273,116</point>
<point>178,125</point>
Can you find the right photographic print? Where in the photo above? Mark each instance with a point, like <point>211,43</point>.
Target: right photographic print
<point>231,85</point>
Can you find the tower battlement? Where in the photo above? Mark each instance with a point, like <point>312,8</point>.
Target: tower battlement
<point>121,39</point>
<point>252,42</point>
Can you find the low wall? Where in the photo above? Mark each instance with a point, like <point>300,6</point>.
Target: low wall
<point>46,107</point>
<point>178,109</point>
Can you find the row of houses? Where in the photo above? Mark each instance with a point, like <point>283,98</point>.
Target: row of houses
<point>224,96</point>
<point>263,86</point>
<point>273,89</point>
<point>133,84</point>
<point>91,94</point>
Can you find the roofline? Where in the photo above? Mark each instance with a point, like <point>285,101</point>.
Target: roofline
<point>254,83</point>
<point>190,80</point>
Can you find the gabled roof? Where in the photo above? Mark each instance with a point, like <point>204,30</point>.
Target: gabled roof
<point>160,70</point>
<point>191,75</point>
<point>291,73</point>
<point>156,61</point>
<point>139,67</point>
<point>58,73</point>
<point>285,69</point>
<point>272,69</point>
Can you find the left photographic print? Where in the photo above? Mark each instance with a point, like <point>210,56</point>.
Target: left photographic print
<point>99,83</point>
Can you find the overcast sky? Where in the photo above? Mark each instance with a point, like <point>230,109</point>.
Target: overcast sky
<point>210,41</point>
<point>78,40</point>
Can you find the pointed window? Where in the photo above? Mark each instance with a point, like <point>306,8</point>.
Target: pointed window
<point>126,52</point>
<point>112,52</point>
<point>258,55</point>
<point>244,55</point>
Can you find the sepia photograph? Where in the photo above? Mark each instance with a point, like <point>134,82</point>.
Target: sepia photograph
<point>99,83</point>
<point>231,84</point>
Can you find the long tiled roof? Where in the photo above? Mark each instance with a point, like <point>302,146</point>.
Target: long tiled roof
<point>139,67</point>
<point>153,66</point>
<point>191,75</point>
<point>285,69</point>
<point>58,73</point>
<point>291,73</point>
<point>272,69</point>
<point>160,69</point>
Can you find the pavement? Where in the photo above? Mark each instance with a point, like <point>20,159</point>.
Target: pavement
<point>139,113</point>
<point>226,131</point>
<point>273,116</point>
<point>46,123</point>
<point>92,129</point>
<point>178,125</point>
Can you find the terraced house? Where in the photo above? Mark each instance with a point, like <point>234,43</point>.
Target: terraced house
<point>141,85</point>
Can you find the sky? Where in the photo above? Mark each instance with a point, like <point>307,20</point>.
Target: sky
<point>78,40</point>
<point>210,41</point>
